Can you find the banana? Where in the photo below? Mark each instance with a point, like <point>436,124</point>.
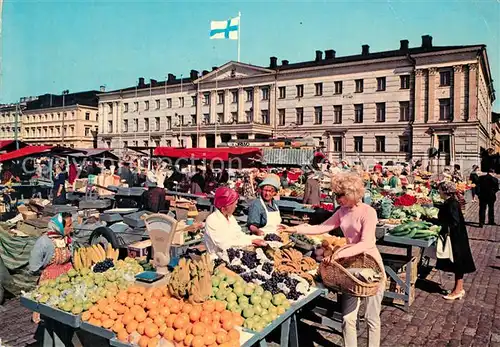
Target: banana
<point>76,260</point>
<point>101,251</point>
<point>116,255</point>
<point>94,254</point>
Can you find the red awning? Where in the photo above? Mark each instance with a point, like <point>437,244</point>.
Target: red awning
<point>10,145</point>
<point>24,152</point>
<point>205,153</point>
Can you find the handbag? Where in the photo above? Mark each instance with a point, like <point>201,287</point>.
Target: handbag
<point>444,250</point>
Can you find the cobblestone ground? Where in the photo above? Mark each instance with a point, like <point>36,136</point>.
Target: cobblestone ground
<point>432,321</point>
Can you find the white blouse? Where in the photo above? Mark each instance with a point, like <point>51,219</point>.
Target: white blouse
<point>222,233</point>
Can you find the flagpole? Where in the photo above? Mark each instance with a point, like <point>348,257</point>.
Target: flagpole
<point>239,35</point>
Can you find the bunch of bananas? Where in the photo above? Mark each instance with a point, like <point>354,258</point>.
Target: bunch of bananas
<point>85,257</point>
<point>193,279</point>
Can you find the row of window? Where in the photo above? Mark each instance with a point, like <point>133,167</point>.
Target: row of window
<point>55,131</point>
<point>404,144</point>
<point>9,129</point>
<point>54,117</point>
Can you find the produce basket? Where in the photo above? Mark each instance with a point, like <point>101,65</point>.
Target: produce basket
<point>335,275</point>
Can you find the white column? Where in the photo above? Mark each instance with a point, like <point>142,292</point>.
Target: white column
<point>188,141</point>
<point>203,141</point>
<point>251,136</point>
<point>227,103</point>
<point>234,137</point>
<point>256,105</point>
<point>213,107</point>
<point>241,106</point>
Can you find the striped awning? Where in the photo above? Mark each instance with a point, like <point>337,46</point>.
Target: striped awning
<point>287,156</point>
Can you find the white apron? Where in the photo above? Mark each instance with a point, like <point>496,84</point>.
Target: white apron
<point>273,219</point>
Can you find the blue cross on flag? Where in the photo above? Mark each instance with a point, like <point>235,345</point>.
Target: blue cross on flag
<point>226,30</point>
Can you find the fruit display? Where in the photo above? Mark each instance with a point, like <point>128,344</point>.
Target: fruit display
<point>416,230</point>
<point>192,278</point>
<point>150,317</point>
<point>258,306</point>
<point>85,257</point>
<point>292,261</point>
<point>328,246</point>
<point>272,237</point>
<point>302,240</point>
<point>76,291</point>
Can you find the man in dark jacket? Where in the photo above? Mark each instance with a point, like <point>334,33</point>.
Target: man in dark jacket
<point>127,175</point>
<point>488,188</point>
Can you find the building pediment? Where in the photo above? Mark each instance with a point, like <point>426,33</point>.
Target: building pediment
<point>234,70</point>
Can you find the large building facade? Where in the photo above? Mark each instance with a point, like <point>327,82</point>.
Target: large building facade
<point>392,105</point>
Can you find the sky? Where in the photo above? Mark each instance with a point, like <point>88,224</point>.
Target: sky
<point>50,46</point>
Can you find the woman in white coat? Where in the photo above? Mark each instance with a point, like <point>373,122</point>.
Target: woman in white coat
<point>263,214</point>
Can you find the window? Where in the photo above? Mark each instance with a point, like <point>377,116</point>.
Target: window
<point>87,131</point>
<point>444,109</point>
<point>181,119</point>
<point>168,143</point>
<point>318,115</point>
<point>136,125</point>
<point>249,94</point>
<point>444,78</point>
<point>380,143</point>
<point>134,143</point>
<point>234,116</point>
<point>169,123</point>
<point>444,144</point>
<point>181,101</point>
<point>265,116</point>
<point>206,99</point>
<point>380,84</point>
<point>359,86</point>
<point>404,111</point>
<point>282,91</point>
<point>146,143</point>
<point>404,144</point>
<point>193,119</point>
<point>110,126</point>
<point>319,89</point>
<point>265,93</point>
<point>299,113</point>
<point>157,123</point>
<point>249,116</point>
<point>157,102</point>
<point>358,113</point>
<point>125,125</point>
<point>146,105</point>
<point>206,118</point>
<point>338,87</point>
<point>220,117</point>
<point>380,111</point>
<point>87,115</point>
<point>58,116</point>
<point>220,98</point>
<point>110,107</point>
<point>169,103</point>
<point>193,101</point>
<point>125,144</point>
<point>281,116</point>
<point>125,107</point>
<point>405,81</point>
<point>235,96</point>
<point>337,144</point>
<point>358,144</point>
<point>300,90</point>
<point>136,106</point>
<point>97,117</point>
<point>337,114</point>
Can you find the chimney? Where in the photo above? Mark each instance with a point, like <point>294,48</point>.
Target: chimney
<point>153,82</point>
<point>319,56</point>
<point>365,50</point>
<point>171,77</point>
<point>205,72</point>
<point>193,74</point>
<point>284,62</point>
<point>329,54</point>
<point>141,82</point>
<point>214,68</point>
<point>102,89</point>
<point>427,41</point>
<point>273,62</point>
<point>403,45</point>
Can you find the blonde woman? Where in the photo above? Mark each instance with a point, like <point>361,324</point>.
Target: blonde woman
<point>358,223</point>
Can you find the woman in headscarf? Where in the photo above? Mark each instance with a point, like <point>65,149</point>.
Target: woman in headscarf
<point>263,213</point>
<point>222,231</point>
<point>51,254</point>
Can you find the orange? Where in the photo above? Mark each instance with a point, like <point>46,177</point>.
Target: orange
<point>220,306</point>
<point>215,327</point>
<point>164,311</point>
<point>162,328</point>
<point>108,323</point>
<point>151,330</point>
<point>164,292</point>
<point>216,316</point>
<point>179,335</point>
<point>226,315</point>
<point>209,338</point>
<point>228,325</point>
<point>133,289</point>
<point>189,328</point>
<point>234,335</point>
<point>164,301</point>
<point>198,342</point>
<point>120,309</point>
<point>214,345</point>
<point>199,329</point>
<point>189,339</point>
<point>152,303</point>
<point>130,300</point>
<point>148,320</point>
<point>108,309</point>
<point>132,326</point>
<point>97,315</point>
<point>159,320</point>
<point>102,302</point>
<point>122,297</point>
<point>139,300</point>
<point>153,313</point>
<point>95,322</point>
<point>194,315</point>
<point>207,319</point>
<point>140,328</point>
<point>175,307</point>
<point>93,309</point>
<point>169,334</point>
<point>122,335</point>
<point>187,308</point>
<point>142,290</point>
<point>104,317</point>
<point>134,309</point>
<point>171,301</point>
<point>170,320</point>
<point>143,341</point>
<point>140,316</point>
<point>113,315</point>
<point>86,316</point>
<point>117,327</point>
<point>154,342</point>
<point>239,320</point>
<point>181,322</point>
<point>221,337</point>
<point>209,306</point>
<point>127,318</point>
<point>157,293</point>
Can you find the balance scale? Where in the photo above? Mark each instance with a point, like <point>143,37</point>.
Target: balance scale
<point>161,229</point>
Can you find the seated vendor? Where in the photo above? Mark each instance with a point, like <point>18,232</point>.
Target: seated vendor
<point>222,229</point>
<point>154,197</point>
<point>263,213</point>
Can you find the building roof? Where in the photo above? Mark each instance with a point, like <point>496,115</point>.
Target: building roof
<point>86,98</point>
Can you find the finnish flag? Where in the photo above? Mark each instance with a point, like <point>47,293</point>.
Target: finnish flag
<point>226,30</point>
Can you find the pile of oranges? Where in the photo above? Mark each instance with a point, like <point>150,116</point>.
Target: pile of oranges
<point>147,317</point>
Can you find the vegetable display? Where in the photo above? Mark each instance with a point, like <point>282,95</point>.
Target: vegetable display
<point>405,200</point>
<point>416,230</point>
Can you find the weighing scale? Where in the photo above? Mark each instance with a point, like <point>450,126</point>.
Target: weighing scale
<point>161,229</point>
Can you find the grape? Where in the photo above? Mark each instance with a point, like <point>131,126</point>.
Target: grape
<point>236,268</point>
<point>272,237</point>
<point>267,268</point>
<point>218,262</point>
<point>249,259</point>
<point>233,253</point>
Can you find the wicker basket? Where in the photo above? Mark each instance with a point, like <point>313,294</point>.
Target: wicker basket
<point>335,275</point>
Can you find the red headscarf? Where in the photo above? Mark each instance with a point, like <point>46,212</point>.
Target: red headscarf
<point>224,197</point>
